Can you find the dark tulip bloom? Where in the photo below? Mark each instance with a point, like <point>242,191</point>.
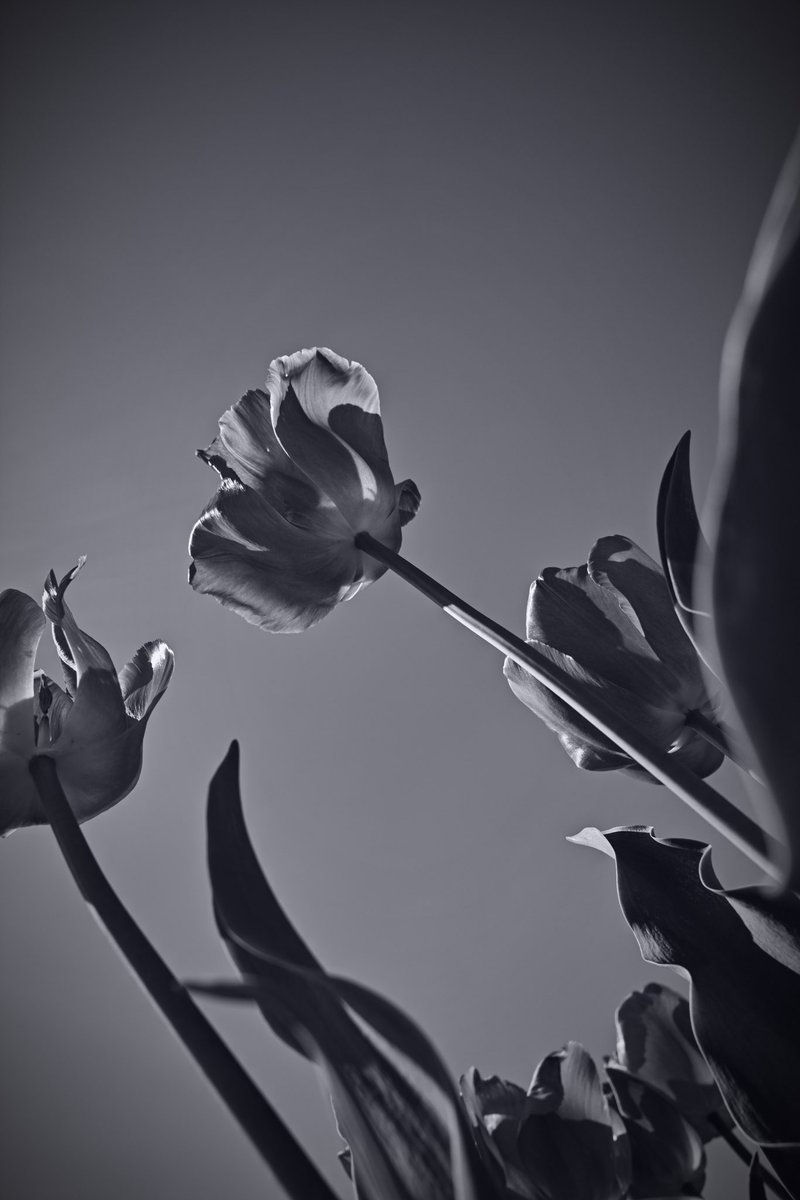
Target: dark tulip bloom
<point>303,469</point>
<point>93,728</point>
<point>610,624</point>
<point>559,1140</point>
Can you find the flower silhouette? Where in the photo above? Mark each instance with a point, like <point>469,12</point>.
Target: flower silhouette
<point>93,728</point>
<point>303,469</point>
<point>610,624</point>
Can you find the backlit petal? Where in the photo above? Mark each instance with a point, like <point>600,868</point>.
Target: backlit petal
<point>144,679</point>
<point>21,629</point>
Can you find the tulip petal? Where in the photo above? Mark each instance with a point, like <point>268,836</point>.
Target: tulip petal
<point>568,611</point>
<point>99,749</point>
<point>785,1162</point>
<point>589,748</point>
<point>144,679</point>
<point>740,950</point>
<point>287,580</point>
<point>326,415</point>
<point>21,629</point>
<point>756,566</point>
<point>52,706</point>
<point>655,1043</point>
<point>402,1148</point>
<point>618,563</point>
<point>246,448</point>
<point>408,499</point>
<point>77,650</point>
<point>666,1151</point>
<point>570,1141</point>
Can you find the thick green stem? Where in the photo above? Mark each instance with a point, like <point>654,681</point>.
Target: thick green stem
<point>274,1142</point>
<point>743,832</point>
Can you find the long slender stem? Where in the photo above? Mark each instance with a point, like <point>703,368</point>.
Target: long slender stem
<point>742,1152</point>
<point>274,1142</point>
<point>743,832</point>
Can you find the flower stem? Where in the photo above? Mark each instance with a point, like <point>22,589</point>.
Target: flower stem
<point>720,736</point>
<point>743,832</point>
<point>741,1151</point>
<point>274,1142</point>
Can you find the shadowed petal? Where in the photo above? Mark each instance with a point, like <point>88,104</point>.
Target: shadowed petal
<point>644,597</point>
<point>52,706</point>
<point>144,679</point>
<point>247,448</point>
<point>742,952</point>
<point>326,414</point>
<point>21,629</point>
<point>655,1043</point>
<point>666,1151</point>
<point>571,1142</point>
<point>568,611</point>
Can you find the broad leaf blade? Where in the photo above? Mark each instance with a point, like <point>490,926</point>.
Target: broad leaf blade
<point>743,972</point>
<point>756,565</point>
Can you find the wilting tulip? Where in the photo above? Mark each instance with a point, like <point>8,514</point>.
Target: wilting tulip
<point>557,1141</point>
<point>611,626</point>
<point>304,469</point>
<point>93,729</point>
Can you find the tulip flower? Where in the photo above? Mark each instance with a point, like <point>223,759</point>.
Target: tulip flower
<point>92,729</point>
<point>303,470</point>
<point>656,1045</point>
<point>611,626</point>
<point>559,1140</point>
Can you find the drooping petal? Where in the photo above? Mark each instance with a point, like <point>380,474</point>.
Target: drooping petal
<point>620,564</point>
<point>570,1141</point>
<point>144,679</point>
<point>403,1145</point>
<point>756,566</point>
<point>666,1151</point>
<point>741,950</point>
<point>655,1043</point>
<point>326,415</point>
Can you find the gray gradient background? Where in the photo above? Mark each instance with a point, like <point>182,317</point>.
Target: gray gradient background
<point>530,222</point>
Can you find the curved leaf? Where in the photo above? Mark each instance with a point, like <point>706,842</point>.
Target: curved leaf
<point>756,566</point>
<point>408,1141</point>
<point>740,950</point>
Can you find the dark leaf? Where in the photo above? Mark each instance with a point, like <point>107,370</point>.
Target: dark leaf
<point>756,565</point>
<point>679,541</point>
<point>740,949</point>
<point>403,1122</point>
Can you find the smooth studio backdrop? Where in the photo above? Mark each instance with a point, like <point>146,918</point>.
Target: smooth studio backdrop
<point>530,221</point>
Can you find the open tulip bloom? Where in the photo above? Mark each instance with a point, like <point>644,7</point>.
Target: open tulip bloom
<point>93,728</point>
<point>303,469</point>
